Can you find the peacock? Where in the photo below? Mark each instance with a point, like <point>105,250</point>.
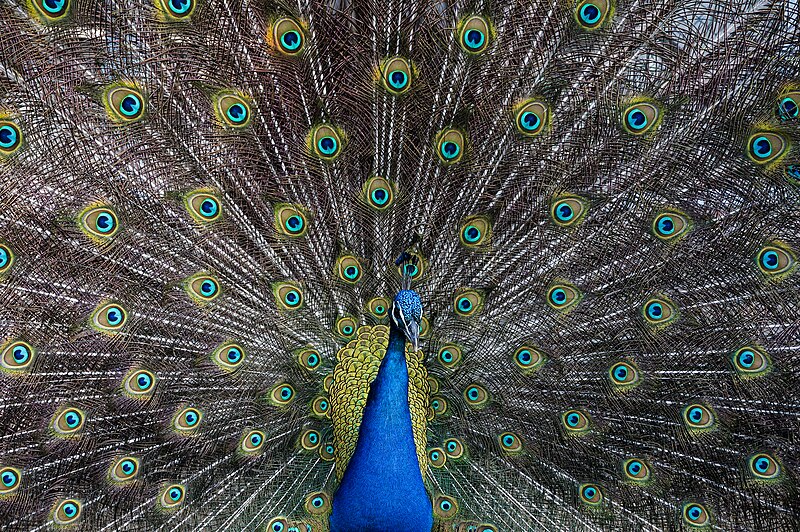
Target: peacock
<point>421,265</point>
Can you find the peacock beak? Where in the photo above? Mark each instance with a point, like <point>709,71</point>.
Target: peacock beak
<point>412,333</point>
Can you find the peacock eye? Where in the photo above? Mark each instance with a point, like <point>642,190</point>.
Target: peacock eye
<point>124,104</point>
<point>444,507</point>
<point>774,260</point>
<point>10,138</point>
<point>397,75</point>
<point>98,223</point>
<point>763,466</point>
<point>475,231</point>
<point>290,220</point>
<point>636,470</point>
<point>476,395</point>
<point>378,193</point>
<point>228,356</point>
<point>282,394</point>
<point>750,362</point>
<point>140,383</point>
<point>346,327</point>
<point>789,106</point>
<point>175,10</point>
<point>695,514</point>
<point>172,496</point>
<point>288,295</point>
<point>17,356</point>
<point>439,405</point>
<point>277,524</point>
<point>528,358</point>
<point>563,296</point>
<point>68,422</point>
<point>454,448</point>
<point>697,416</point>
<point>326,142</point>
<point>591,494</point>
<point>9,480</point>
<point>318,503</point>
<point>66,512</point>
<point>289,36</point>
<point>51,10</point>
<point>109,318</point>
<point>310,440</point>
<point>320,407</point>
<point>467,302</point>
<point>348,269</point>
<point>6,259</point>
<point>575,421</point>
<point>450,146</point>
<point>474,34</point>
<point>449,356</point>
<point>532,117</point>
<point>202,288</point>
<point>124,469</point>
<point>510,442</point>
<point>378,307</point>
<point>203,206</point>
<point>436,457</point>
<point>187,419</point>
<point>624,375</point>
<point>659,311</point>
<point>252,441</point>
<point>232,110</point>
<point>640,118</point>
<point>591,13</point>
<point>567,211</point>
<point>765,147</point>
<point>326,452</point>
<point>670,226</point>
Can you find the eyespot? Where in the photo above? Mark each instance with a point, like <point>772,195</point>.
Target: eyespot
<point>449,356</point>
<point>290,220</point>
<point>575,421</point>
<point>474,34</point>
<point>326,452</point>
<point>98,223</point>
<point>346,327</point>
<point>228,356</point>
<point>467,302</point>
<point>591,494</point>
<point>289,36</point>
<point>68,422</point>
<point>124,469</point>
<point>697,416</point>
<point>320,407</point>
<point>66,512</point>
<point>775,260</point>
<point>486,527</point>
<point>453,448</point>
<point>202,288</point>
<point>532,117</point>
<point>310,440</point>
<point>17,356</point>
<point>476,395</point>
<point>445,507</point>
<point>282,394</point>
<point>177,9</point>
<point>51,10</point>
<point>109,317</point>
<point>203,206</point>
<point>6,259</point>
<point>309,359</point>
<point>567,211</point>
<point>378,193</point>
<point>528,358</point>
<point>439,405</point>
<point>349,269</point>
<point>436,457</point>
<point>670,226</point>
<point>433,384</point>
<point>763,466</point>
<point>750,362</point>
<point>232,110</point>
<point>641,118</point>
<point>252,441</point>
<point>378,307</point>
<point>124,104</point>
<point>10,137</point>
<point>9,480</point>
<point>510,442</point>
<point>636,470</point>
<point>187,419</point>
<point>424,327</point>
<point>563,296</point>
<point>277,524</point>
<point>475,231</point>
<point>396,75</point>
<point>450,146</point>
<point>659,311</point>
<point>326,142</point>
<point>624,375</point>
<point>590,14</point>
<point>327,382</point>
<point>172,496</point>
<point>415,267</point>
<point>695,514</point>
<point>140,383</point>
<point>765,147</point>
<point>288,295</point>
<point>789,106</point>
<point>318,503</point>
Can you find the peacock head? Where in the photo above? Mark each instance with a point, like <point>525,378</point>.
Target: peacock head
<point>407,314</point>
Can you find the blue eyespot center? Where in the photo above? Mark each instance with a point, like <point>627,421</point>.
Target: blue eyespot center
<point>589,492</point>
<point>524,357</point>
<point>666,226</point>
<point>3,257</point>
<point>634,467</point>
<point>411,270</point>
<point>294,223</point>
<point>573,419</point>
<point>53,6</point>
<point>398,79</point>
<point>445,505</point>
<point>769,259</point>
<point>9,478</point>
<point>472,234</point>
<point>451,446</point>
<point>286,392</point>
<point>508,440</point>
<point>762,147</point>
<point>313,438</point>
<point>637,119</point>
<point>70,509</point>
<point>191,418</point>
<point>175,494</point>
<point>474,39</point>
<point>746,358</point>
<point>144,381</point>
<point>558,296</point>
<point>234,355</point>
<point>291,40</point>
<point>312,360</point>
<point>208,288</point>
<point>465,304</point>
<point>529,121</point>
<point>564,212</point>
<point>180,7</point>
<point>130,105</point>
<point>317,502</point>
<point>104,222</point>
<point>696,414</point>
<point>72,418</point>
<point>655,311</point>
<point>8,136</point>
<point>590,13</point>
<point>114,316</point>
<point>208,207</point>
<point>21,354</point>
<point>762,464</point>
<point>380,196</point>
<point>292,297</point>
<point>347,329</point>
<point>255,439</point>
<point>327,145</point>
<point>450,149</point>
<point>380,309</point>
<point>237,113</point>
<point>621,373</point>
<point>473,393</point>
<point>447,356</point>
<point>351,272</point>
<point>788,108</point>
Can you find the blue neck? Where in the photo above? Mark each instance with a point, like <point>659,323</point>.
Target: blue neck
<point>382,488</point>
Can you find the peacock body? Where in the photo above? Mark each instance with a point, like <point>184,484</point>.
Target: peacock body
<point>356,265</point>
